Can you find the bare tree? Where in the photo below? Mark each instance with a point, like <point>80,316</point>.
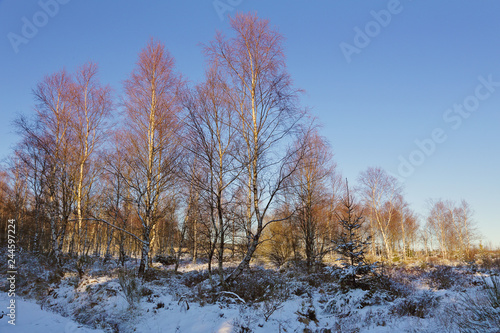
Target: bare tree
<point>30,160</point>
<point>265,102</point>
<point>151,136</point>
<point>309,191</point>
<point>402,225</point>
<point>380,194</point>
<point>213,143</point>
<point>5,211</point>
<point>91,106</point>
<point>452,226</point>
<point>466,228</point>
<point>116,200</point>
<point>409,227</point>
<point>51,134</point>
<point>441,224</point>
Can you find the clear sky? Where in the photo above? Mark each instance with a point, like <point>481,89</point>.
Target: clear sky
<point>381,76</point>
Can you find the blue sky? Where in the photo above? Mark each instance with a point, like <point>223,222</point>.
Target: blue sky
<point>397,87</point>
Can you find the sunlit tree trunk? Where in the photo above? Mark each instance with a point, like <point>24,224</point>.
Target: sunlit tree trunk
<point>91,105</point>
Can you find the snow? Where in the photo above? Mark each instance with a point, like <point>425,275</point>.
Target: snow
<point>172,306</point>
<point>30,318</point>
<point>197,319</point>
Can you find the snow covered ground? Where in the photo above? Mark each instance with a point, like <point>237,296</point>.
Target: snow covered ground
<point>197,319</point>
<point>414,300</point>
<point>30,318</point>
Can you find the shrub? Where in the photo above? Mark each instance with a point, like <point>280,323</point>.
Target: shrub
<point>279,244</point>
<point>258,285</point>
<point>405,274</point>
<point>392,287</point>
<point>82,265</point>
<point>130,287</point>
<point>443,277</point>
<point>490,262</point>
<point>153,274</point>
<point>344,304</point>
<point>36,276</point>
<point>246,319</point>
<point>479,312</point>
<point>165,260</point>
<point>193,278</point>
<point>320,278</point>
<point>419,305</point>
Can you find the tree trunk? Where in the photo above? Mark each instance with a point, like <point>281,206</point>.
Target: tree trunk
<point>107,255</point>
<point>144,264</point>
<point>195,241</point>
<point>221,238</point>
<point>245,263</point>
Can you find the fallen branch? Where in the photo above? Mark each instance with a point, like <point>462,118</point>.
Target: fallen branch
<point>232,294</point>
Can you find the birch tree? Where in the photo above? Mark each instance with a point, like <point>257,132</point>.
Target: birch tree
<point>51,132</point>
<point>452,227</point>
<point>309,187</point>
<point>380,194</point>
<point>151,136</point>
<point>213,141</point>
<point>266,104</point>
<point>91,106</point>
<point>441,224</point>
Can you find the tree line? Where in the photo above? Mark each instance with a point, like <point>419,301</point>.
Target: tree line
<point>232,166</point>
